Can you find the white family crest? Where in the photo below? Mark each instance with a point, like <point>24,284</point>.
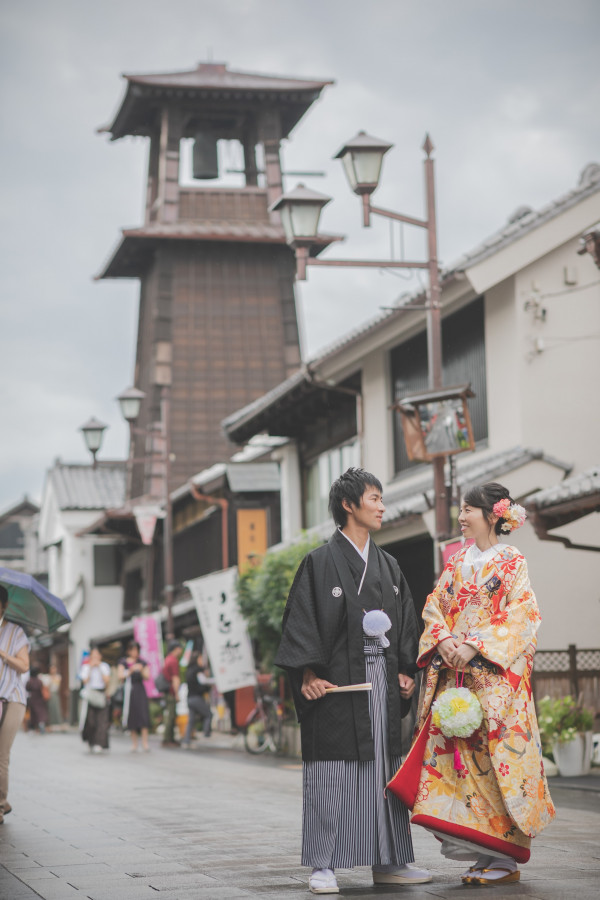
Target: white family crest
<point>337,592</point>
<point>395,589</point>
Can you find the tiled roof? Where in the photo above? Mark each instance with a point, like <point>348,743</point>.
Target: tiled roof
<point>585,484</point>
<point>79,486</point>
<point>210,230</point>
<point>218,76</point>
<point>302,376</point>
<point>211,83</point>
<point>417,497</point>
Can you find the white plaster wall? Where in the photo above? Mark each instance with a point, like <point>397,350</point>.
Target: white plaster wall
<point>559,407</point>
<point>566,585</point>
<point>502,376</point>
<point>377,438</point>
<point>71,569</point>
<point>290,491</point>
<point>102,607</point>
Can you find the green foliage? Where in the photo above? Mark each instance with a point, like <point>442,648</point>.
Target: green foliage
<point>262,594</point>
<point>561,719</point>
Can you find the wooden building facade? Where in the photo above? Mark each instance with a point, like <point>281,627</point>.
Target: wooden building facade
<point>217,319</point>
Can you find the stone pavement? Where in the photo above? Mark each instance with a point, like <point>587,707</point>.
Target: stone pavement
<point>216,824</point>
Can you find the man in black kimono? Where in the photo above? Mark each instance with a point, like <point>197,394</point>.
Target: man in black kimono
<point>350,620</point>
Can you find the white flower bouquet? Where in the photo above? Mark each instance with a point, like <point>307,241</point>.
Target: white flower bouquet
<point>457,712</point>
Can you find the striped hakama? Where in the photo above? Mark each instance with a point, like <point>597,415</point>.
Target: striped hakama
<point>348,820</point>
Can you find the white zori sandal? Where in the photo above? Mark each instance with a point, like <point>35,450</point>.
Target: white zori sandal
<point>323,881</point>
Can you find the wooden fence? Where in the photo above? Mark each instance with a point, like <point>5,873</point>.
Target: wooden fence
<point>573,671</point>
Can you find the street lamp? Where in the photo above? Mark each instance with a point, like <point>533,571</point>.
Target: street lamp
<point>362,158</point>
<point>93,433</point>
<point>130,402</point>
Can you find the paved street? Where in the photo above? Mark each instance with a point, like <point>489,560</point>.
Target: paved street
<point>216,823</point>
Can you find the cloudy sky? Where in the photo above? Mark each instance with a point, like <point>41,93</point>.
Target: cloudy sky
<point>508,90</point>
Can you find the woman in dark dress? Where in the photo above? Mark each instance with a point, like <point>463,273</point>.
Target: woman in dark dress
<point>38,707</point>
<point>133,671</point>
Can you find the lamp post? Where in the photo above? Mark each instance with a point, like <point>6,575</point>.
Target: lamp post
<point>362,158</point>
<point>93,434</point>
<point>130,402</point>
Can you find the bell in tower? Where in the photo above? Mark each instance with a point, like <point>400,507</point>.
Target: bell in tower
<point>217,315</point>
<point>205,163</point>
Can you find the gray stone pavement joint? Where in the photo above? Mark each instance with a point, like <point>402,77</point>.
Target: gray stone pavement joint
<point>217,824</point>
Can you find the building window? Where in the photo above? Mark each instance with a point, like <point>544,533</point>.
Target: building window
<point>463,355</point>
<point>132,599</point>
<point>319,476</point>
<point>107,565</point>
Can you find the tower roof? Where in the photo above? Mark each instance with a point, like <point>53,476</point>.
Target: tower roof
<point>215,86</point>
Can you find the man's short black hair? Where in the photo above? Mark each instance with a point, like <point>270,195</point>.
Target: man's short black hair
<point>350,486</point>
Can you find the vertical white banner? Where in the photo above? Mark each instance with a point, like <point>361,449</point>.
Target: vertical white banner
<point>224,630</point>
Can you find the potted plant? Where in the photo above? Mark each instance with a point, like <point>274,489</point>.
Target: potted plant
<point>566,731</point>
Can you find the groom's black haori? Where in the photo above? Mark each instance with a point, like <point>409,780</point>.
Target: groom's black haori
<point>322,631</point>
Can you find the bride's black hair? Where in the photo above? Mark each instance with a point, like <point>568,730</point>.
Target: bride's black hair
<point>483,497</point>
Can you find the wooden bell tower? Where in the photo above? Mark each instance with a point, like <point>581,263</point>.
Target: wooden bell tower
<point>217,316</point>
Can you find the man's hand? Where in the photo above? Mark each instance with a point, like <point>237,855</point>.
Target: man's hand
<point>462,655</point>
<point>407,686</point>
<point>313,688</point>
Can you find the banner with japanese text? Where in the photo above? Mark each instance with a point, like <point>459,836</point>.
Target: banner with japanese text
<point>224,630</point>
<point>147,632</point>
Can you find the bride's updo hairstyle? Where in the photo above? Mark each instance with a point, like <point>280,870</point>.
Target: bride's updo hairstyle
<point>484,496</point>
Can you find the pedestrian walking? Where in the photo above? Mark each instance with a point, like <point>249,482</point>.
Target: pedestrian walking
<point>198,692</point>
<point>171,673</point>
<point>350,620</point>
<point>474,776</point>
<point>37,694</point>
<point>14,662</point>
<point>133,671</point>
<point>95,676</point>
<point>52,682</point>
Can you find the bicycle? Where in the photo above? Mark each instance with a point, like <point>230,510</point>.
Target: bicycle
<point>262,728</point>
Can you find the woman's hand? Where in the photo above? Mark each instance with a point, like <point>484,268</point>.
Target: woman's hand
<point>407,686</point>
<point>462,655</point>
<point>313,688</point>
<point>446,649</point>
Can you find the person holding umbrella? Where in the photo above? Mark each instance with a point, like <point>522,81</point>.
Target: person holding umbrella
<point>14,662</point>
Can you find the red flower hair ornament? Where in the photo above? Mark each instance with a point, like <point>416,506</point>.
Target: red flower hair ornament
<point>512,515</point>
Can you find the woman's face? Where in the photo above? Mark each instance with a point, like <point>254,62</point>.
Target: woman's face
<point>473,523</point>
<point>133,652</point>
<point>95,657</point>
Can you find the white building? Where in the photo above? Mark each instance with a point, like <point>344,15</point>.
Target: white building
<point>84,570</point>
<point>521,323</point>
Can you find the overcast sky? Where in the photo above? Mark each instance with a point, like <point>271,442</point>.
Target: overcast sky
<point>508,90</point>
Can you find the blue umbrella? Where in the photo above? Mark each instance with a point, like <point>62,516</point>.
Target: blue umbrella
<point>30,603</point>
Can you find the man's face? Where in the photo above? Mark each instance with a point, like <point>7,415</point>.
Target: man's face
<point>370,512</point>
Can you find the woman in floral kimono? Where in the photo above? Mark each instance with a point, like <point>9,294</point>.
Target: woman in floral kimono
<point>484,796</point>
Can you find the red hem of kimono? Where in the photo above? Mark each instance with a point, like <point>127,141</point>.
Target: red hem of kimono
<point>405,783</point>
<point>519,854</point>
